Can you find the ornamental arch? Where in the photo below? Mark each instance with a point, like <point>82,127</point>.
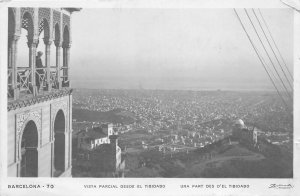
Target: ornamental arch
<point>27,23</point>
<point>29,150</point>
<point>59,142</point>
<point>66,35</point>
<point>11,33</point>
<point>11,22</point>
<point>56,34</point>
<point>44,32</point>
<point>23,58</point>
<point>66,56</point>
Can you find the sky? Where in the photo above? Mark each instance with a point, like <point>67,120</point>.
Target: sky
<point>190,49</point>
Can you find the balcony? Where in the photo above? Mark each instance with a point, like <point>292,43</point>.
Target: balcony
<point>48,85</point>
<point>45,81</point>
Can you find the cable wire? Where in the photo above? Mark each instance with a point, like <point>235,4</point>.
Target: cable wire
<point>272,49</point>
<point>268,55</point>
<point>275,44</point>
<point>261,60</point>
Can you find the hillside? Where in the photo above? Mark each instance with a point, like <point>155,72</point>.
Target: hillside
<point>218,160</point>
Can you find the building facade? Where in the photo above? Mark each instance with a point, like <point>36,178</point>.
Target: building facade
<point>245,135</point>
<point>91,138</point>
<point>99,151</point>
<point>39,98</point>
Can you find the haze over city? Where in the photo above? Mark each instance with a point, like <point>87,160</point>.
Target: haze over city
<point>192,49</point>
<point>117,100</point>
<point>185,49</point>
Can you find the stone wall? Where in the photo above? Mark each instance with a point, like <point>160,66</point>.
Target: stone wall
<point>43,114</point>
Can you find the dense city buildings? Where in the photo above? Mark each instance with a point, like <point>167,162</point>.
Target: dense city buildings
<point>195,114</point>
<point>159,126</point>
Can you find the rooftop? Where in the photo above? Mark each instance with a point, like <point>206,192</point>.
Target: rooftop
<point>94,133</point>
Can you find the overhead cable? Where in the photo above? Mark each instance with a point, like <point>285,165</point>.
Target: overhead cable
<point>260,58</point>
<point>268,55</point>
<point>276,45</point>
<point>272,50</point>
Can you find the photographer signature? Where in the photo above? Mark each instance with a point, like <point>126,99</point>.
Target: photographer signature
<point>281,186</point>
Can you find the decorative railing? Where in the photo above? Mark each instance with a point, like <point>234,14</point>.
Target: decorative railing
<point>24,83</point>
<point>41,78</point>
<point>53,78</point>
<point>64,77</point>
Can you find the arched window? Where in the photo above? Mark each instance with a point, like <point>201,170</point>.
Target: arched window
<point>59,143</point>
<point>29,144</point>
<point>53,56</point>
<point>24,83</point>
<point>11,32</point>
<point>41,77</point>
<point>66,42</point>
<point>23,52</point>
<point>44,34</point>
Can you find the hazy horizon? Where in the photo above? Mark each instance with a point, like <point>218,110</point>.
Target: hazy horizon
<point>177,89</point>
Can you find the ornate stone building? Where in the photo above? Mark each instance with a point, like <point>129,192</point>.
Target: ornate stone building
<point>39,99</point>
<point>243,134</point>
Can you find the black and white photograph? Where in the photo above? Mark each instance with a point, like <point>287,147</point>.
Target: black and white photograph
<point>140,95</point>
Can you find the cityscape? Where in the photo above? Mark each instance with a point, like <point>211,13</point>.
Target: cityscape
<point>171,123</point>
<point>152,93</point>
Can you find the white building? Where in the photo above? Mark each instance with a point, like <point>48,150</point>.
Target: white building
<point>91,138</point>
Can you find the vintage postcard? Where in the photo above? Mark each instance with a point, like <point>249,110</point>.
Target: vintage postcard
<point>149,97</point>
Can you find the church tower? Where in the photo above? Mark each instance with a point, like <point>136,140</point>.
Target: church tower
<point>39,96</point>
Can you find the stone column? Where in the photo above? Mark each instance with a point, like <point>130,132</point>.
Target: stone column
<point>52,159</point>
<point>13,42</point>
<point>47,61</point>
<point>58,51</point>
<point>32,44</point>
<point>9,52</point>
<point>52,140</point>
<point>10,74</point>
<point>70,127</point>
<point>70,149</point>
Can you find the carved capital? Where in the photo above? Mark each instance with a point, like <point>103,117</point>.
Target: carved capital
<point>66,45</point>
<point>13,38</point>
<point>57,43</point>
<point>16,37</point>
<point>32,43</point>
<point>47,41</point>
